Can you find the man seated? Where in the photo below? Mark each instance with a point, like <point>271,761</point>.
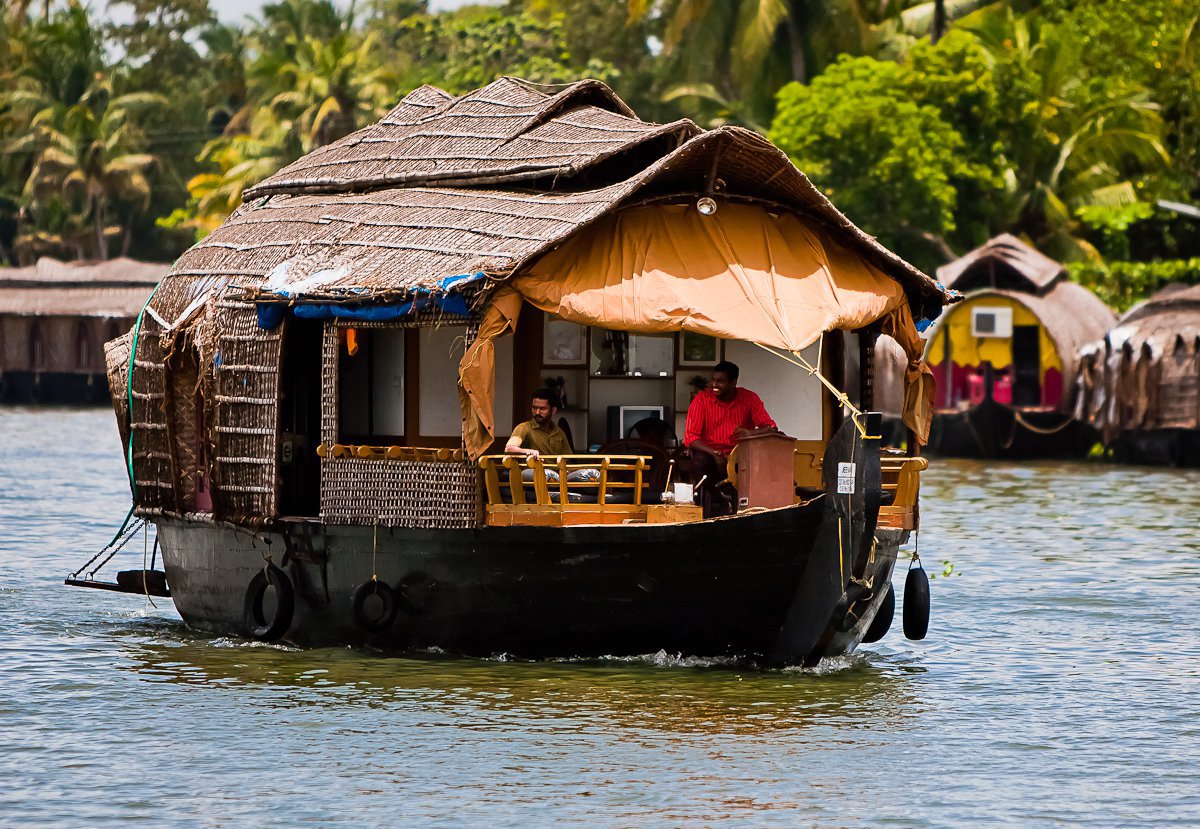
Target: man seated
<point>716,420</point>
<point>540,435</point>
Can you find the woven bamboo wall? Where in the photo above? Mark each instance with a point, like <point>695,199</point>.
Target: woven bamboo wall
<point>400,493</point>
<point>392,493</point>
<point>152,467</point>
<point>245,431</point>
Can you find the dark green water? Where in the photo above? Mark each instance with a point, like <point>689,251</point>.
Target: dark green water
<point>1059,686</point>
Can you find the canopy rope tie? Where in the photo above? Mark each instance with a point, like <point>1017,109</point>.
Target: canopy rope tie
<point>797,359</point>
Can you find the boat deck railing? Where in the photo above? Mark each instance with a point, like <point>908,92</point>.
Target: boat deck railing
<point>391,453</point>
<point>557,490</point>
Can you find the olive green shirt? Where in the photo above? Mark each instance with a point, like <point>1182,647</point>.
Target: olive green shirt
<point>552,441</point>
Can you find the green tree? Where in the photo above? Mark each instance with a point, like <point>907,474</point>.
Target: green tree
<point>865,135</point>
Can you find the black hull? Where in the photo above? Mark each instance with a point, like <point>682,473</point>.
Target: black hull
<point>785,586</point>
<point>721,588</point>
<point>53,388</point>
<point>1159,447</point>
<point>993,430</point>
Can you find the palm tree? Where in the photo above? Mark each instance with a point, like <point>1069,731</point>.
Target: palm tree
<point>1071,146</point>
<point>735,54</point>
<point>89,156</point>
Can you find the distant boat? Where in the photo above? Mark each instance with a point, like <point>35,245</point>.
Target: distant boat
<point>1140,385</point>
<point>54,320</point>
<point>1006,356</point>
<point>316,403</point>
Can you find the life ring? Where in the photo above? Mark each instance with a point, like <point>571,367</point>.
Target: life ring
<point>385,596</point>
<point>416,593</point>
<point>257,624</point>
<point>916,604</point>
<point>882,622</point>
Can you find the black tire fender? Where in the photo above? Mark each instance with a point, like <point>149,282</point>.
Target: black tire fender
<point>380,622</point>
<point>916,604</point>
<point>882,622</point>
<point>257,624</point>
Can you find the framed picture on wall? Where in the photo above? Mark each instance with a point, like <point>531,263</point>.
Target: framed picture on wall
<point>698,350</point>
<point>564,343</point>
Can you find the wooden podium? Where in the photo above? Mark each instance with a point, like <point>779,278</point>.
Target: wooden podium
<point>764,471</point>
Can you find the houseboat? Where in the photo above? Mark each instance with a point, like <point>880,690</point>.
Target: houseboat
<point>54,320</point>
<point>1140,385</point>
<point>316,400</point>
<point>1006,357</point>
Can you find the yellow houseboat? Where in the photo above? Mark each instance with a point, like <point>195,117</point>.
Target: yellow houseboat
<point>1006,357</point>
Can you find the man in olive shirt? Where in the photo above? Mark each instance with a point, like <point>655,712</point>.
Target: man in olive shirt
<point>541,435</point>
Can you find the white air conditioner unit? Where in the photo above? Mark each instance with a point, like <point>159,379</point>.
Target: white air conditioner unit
<point>991,322</point>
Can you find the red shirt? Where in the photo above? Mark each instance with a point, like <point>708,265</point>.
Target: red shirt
<point>714,421</point>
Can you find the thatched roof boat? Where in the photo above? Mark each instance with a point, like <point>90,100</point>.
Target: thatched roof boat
<point>338,359</point>
<point>55,318</point>
<point>1140,385</point>
<point>1006,357</point>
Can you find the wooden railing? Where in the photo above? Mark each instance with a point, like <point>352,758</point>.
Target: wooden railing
<point>901,477</point>
<point>391,453</point>
<point>607,466</point>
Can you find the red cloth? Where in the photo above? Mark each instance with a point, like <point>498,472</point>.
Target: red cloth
<point>714,421</point>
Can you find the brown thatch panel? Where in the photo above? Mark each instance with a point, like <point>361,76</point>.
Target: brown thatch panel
<point>1002,262</point>
<point>507,131</point>
<point>1145,372</point>
<point>112,303</point>
<point>50,273</point>
<point>394,241</point>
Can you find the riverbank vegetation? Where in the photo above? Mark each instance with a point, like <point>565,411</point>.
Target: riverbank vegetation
<point>933,125</point>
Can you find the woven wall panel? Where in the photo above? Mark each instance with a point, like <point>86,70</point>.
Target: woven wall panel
<point>151,448</point>
<point>246,422</point>
<point>442,495</point>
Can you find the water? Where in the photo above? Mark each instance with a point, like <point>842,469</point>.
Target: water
<point>1058,686</point>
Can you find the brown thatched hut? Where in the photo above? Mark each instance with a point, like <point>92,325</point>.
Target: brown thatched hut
<point>1140,385</point>
<point>332,368</point>
<point>1006,356</point>
<point>54,320</point>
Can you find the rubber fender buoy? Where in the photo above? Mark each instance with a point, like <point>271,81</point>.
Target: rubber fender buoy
<point>882,622</point>
<point>257,624</point>
<point>416,593</point>
<point>374,592</point>
<point>916,604</point>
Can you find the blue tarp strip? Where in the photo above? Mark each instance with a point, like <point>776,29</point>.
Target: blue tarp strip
<point>445,297</point>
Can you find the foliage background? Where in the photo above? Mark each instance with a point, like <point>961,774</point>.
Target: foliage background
<point>933,125</point>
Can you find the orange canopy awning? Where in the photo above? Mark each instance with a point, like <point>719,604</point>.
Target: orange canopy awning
<point>743,273</point>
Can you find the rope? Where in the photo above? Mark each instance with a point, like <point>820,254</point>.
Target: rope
<point>1039,430</point>
<point>797,359</point>
<point>374,550</point>
<point>145,553</point>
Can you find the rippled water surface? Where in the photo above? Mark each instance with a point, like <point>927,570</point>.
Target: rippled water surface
<point>1059,685</point>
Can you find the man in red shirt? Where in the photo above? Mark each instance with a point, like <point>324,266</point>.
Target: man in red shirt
<point>716,420</point>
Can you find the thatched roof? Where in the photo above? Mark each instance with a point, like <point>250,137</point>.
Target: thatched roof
<point>1166,320</point>
<point>114,288</point>
<point>477,186</point>
<point>1002,262</point>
